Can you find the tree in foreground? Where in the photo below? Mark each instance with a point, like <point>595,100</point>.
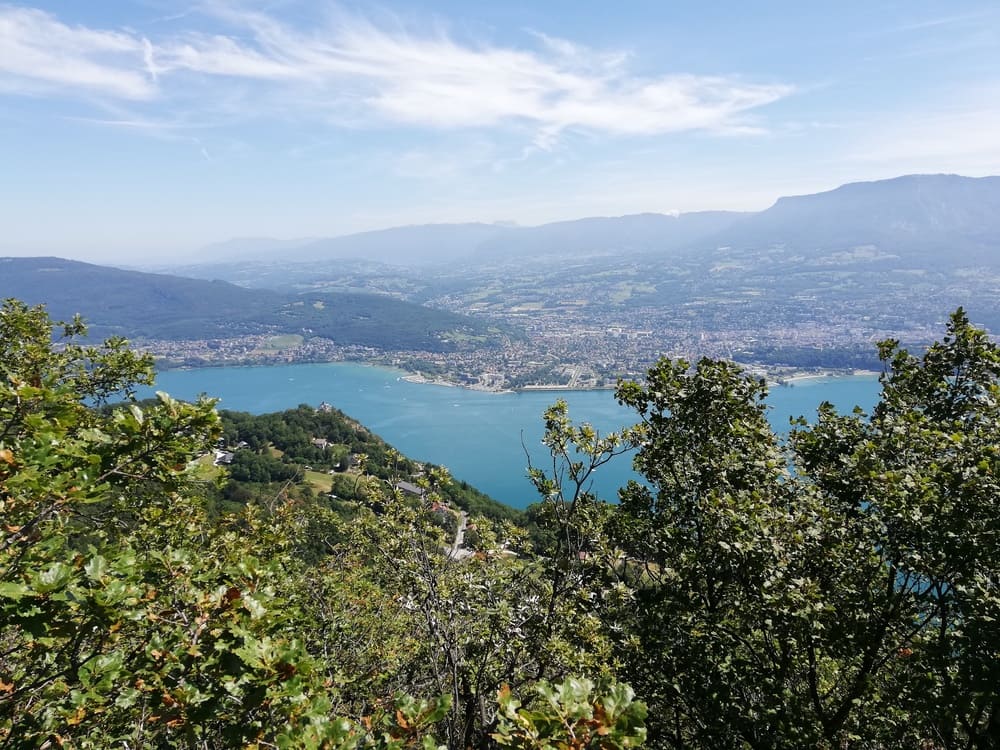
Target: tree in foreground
<point>837,590</point>
<point>125,616</point>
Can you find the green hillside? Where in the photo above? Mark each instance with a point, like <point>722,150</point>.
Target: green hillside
<point>158,306</point>
<point>319,450</point>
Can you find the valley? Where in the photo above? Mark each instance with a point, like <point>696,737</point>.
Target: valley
<point>805,286</point>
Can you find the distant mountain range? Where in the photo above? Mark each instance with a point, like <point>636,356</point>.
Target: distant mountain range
<point>915,215</point>
<point>430,244</point>
<point>161,306</point>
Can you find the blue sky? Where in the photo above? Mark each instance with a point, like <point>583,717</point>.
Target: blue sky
<point>141,130</point>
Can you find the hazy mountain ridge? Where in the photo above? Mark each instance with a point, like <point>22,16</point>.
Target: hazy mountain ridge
<point>649,232</point>
<point>403,246</point>
<point>912,215</point>
<point>830,271</point>
<point>429,244</point>
<point>908,216</point>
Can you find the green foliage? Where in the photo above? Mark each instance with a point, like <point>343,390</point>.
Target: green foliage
<point>714,538</point>
<point>123,618</point>
<point>447,626</point>
<point>572,715</point>
<point>916,485</point>
<point>292,433</point>
<point>837,591</point>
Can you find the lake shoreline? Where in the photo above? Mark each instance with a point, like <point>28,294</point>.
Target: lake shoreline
<point>481,437</point>
<point>774,379</point>
<point>811,378</point>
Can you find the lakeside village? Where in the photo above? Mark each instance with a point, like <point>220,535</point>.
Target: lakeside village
<point>552,359</point>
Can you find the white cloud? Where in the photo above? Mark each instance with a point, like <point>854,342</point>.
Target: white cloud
<point>147,59</point>
<point>390,75</point>
<point>38,53</point>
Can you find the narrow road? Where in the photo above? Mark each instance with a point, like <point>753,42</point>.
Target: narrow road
<point>456,551</point>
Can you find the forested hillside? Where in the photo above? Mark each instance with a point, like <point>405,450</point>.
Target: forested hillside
<point>159,306</point>
<point>322,451</point>
<point>835,590</point>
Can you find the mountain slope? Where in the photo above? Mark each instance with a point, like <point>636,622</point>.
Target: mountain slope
<point>914,217</point>
<point>145,305</point>
<point>605,235</point>
<point>402,246</point>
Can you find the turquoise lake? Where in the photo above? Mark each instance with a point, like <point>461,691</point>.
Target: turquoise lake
<point>477,435</point>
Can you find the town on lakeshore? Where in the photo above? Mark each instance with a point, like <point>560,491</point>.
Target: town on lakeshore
<point>516,366</point>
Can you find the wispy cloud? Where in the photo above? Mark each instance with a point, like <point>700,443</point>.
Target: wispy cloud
<point>938,36</point>
<point>38,54</point>
<point>352,69</point>
<point>966,138</point>
<point>949,20</point>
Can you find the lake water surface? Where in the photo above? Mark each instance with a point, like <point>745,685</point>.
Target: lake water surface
<point>477,435</point>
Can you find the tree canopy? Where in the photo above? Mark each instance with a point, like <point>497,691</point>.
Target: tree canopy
<point>838,589</point>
